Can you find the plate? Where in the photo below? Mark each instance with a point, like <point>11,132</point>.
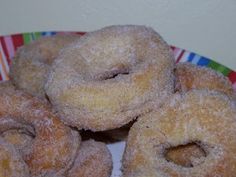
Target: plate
<point>10,43</point>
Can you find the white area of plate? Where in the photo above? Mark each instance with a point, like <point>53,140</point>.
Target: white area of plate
<point>117,150</point>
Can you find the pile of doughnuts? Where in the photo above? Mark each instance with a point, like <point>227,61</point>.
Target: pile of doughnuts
<point>69,94</point>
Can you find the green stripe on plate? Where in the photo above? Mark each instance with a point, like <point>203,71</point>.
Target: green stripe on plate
<point>27,38</point>
<point>37,35</point>
<point>218,67</point>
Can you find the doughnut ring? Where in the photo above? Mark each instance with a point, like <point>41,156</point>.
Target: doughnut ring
<point>93,160</point>
<point>54,145</point>
<point>190,76</point>
<point>206,118</point>
<point>30,66</point>
<point>11,163</point>
<point>109,77</point>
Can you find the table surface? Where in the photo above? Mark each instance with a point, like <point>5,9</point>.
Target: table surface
<point>207,27</point>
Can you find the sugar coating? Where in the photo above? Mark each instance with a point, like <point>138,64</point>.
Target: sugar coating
<point>30,66</point>
<point>93,160</point>
<point>110,76</point>
<point>20,138</point>
<point>54,145</point>
<point>190,76</point>
<point>210,120</point>
<point>11,162</point>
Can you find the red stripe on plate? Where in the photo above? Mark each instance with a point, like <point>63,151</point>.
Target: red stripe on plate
<point>232,76</point>
<point>172,47</point>
<point>180,56</point>
<point>81,33</point>
<point>17,40</point>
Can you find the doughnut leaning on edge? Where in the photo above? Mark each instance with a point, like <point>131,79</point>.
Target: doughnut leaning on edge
<point>32,62</point>
<point>207,118</point>
<point>54,146</point>
<point>190,76</point>
<point>110,76</point>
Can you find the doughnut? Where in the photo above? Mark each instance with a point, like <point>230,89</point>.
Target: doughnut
<point>110,76</point>
<point>205,118</point>
<point>30,66</point>
<point>11,163</point>
<point>54,145</point>
<point>190,76</point>
<point>93,160</point>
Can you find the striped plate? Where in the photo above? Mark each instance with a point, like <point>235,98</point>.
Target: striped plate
<point>9,44</point>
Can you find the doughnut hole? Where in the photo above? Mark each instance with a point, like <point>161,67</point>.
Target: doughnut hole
<point>115,74</point>
<point>187,155</point>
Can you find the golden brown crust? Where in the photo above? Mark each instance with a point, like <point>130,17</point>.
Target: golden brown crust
<point>93,160</point>
<point>11,163</point>
<point>54,146</point>
<point>206,117</point>
<point>190,76</point>
<point>110,76</point>
<point>30,66</point>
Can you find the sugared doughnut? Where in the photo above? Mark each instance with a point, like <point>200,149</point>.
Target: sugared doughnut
<point>190,76</point>
<point>54,145</point>
<point>206,118</point>
<point>30,66</point>
<point>11,163</point>
<point>93,160</point>
<point>110,76</point>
